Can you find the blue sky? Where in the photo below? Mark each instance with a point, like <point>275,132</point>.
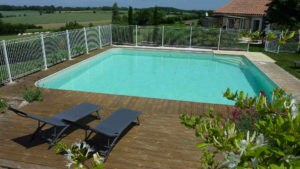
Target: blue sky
<point>181,4</point>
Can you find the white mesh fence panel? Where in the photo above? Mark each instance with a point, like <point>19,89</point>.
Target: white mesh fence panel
<point>292,45</point>
<point>272,45</point>
<point>149,35</point>
<point>56,47</point>
<point>105,35</point>
<point>205,38</point>
<point>93,38</point>
<point>24,56</point>
<point>232,40</point>
<point>77,42</point>
<point>177,36</point>
<point>123,35</point>
<point>3,68</point>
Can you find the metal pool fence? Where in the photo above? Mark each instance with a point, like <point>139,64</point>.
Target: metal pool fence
<point>292,45</point>
<point>20,57</point>
<point>178,37</point>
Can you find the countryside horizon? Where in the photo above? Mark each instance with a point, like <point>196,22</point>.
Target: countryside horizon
<point>179,4</point>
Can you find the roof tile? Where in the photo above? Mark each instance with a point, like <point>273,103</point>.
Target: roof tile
<point>244,7</point>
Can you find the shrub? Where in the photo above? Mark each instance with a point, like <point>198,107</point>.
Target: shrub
<point>32,95</point>
<point>78,153</point>
<point>3,105</point>
<point>273,143</point>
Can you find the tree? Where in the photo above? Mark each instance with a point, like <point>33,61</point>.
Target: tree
<point>284,12</point>
<point>155,16</point>
<point>1,16</point>
<point>130,16</point>
<point>115,14</point>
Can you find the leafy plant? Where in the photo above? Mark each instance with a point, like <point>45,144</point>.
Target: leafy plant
<point>3,105</point>
<point>32,95</point>
<point>270,36</point>
<point>274,143</point>
<point>285,36</point>
<point>78,154</point>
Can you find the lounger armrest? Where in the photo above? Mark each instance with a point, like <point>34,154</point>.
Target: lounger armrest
<point>18,112</point>
<point>82,126</point>
<point>52,121</point>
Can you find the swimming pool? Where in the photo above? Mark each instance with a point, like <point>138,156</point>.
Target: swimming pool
<point>174,75</point>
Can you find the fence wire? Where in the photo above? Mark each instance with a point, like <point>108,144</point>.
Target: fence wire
<point>205,38</point>
<point>93,38</point>
<point>149,35</point>
<point>123,35</point>
<point>176,36</point>
<point>24,56</point>
<point>106,35</point>
<point>292,45</point>
<point>232,40</point>
<point>56,48</point>
<point>77,42</point>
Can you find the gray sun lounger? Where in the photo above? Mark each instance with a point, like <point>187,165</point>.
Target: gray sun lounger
<point>297,62</point>
<point>112,127</point>
<point>73,114</point>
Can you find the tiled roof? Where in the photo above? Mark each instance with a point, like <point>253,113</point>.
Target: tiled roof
<point>244,7</point>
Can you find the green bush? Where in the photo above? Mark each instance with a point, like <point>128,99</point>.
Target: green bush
<point>32,95</point>
<point>3,105</point>
<point>273,143</point>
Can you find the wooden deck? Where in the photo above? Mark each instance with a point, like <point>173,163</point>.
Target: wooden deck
<point>159,142</point>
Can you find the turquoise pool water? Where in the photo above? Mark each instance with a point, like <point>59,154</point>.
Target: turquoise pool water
<point>175,75</point>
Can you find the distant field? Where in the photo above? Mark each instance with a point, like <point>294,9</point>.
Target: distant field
<point>17,13</point>
<point>35,18</point>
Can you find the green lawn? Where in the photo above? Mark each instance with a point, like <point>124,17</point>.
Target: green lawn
<point>284,60</point>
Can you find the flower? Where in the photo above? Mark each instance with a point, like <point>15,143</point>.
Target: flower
<point>98,159</point>
<point>77,144</point>
<point>232,160</point>
<point>244,145</point>
<point>295,111</point>
<point>69,165</point>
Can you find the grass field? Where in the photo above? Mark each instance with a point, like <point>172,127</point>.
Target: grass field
<point>56,20</point>
<point>82,16</point>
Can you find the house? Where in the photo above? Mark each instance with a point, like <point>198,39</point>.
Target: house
<point>243,14</point>
<point>188,23</point>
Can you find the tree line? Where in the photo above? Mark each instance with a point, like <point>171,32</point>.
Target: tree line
<point>152,16</point>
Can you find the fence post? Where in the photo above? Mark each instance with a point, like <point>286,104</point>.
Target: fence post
<point>248,43</point>
<point>278,49</point>
<point>136,35</point>
<point>220,34</point>
<point>44,52</point>
<point>299,43</point>
<point>163,36</point>
<point>6,61</point>
<point>68,45</point>
<point>86,42</point>
<point>99,32</point>
<point>191,32</point>
<point>111,42</point>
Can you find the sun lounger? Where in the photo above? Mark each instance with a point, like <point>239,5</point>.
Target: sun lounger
<point>73,114</point>
<point>112,127</point>
<point>297,63</point>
